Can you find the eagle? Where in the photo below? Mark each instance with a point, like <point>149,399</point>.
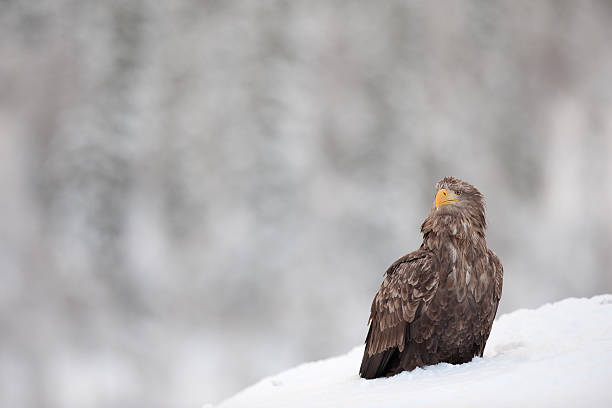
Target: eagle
<point>437,304</point>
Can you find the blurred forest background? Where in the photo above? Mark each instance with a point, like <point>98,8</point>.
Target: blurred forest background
<point>199,194</point>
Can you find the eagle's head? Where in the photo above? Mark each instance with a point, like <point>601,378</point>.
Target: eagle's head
<point>457,202</point>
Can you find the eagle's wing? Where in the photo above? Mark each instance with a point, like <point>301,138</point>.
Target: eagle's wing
<point>498,274</point>
<point>407,290</point>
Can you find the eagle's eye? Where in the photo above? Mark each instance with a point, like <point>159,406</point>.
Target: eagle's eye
<point>458,192</point>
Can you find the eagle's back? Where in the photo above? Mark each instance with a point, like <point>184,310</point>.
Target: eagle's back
<point>436,304</point>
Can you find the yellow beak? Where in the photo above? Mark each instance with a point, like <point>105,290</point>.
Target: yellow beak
<point>444,197</point>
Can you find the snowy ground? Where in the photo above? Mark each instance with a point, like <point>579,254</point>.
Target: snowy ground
<point>557,355</point>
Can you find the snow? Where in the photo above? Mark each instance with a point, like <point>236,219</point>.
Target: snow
<point>558,355</point>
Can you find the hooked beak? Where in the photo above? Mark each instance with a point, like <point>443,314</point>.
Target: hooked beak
<point>444,197</point>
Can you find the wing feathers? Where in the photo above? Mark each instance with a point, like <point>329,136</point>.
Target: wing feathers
<point>410,283</point>
<point>498,273</point>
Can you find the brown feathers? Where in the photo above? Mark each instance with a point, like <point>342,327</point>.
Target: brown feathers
<point>437,304</point>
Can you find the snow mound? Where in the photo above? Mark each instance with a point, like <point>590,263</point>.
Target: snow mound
<point>558,355</point>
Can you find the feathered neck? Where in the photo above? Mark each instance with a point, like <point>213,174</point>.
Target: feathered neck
<point>438,228</point>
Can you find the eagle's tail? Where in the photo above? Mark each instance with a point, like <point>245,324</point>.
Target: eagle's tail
<point>392,361</point>
<point>377,365</point>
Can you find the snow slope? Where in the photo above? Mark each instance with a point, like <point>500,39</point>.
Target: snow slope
<point>556,356</point>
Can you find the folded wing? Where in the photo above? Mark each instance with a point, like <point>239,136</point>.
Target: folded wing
<point>406,292</point>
